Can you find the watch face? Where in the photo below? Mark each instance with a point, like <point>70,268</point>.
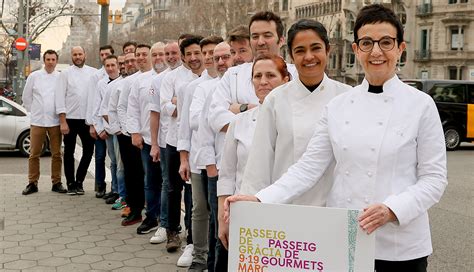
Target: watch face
<point>243,107</point>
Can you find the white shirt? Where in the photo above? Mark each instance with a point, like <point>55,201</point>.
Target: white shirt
<point>209,144</point>
<point>111,128</point>
<point>287,120</point>
<point>169,89</point>
<point>234,87</point>
<point>238,141</point>
<point>93,92</point>
<point>138,112</point>
<point>38,98</point>
<point>124,92</point>
<point>155,107</point>
<point>389,148</point>
<point>72,91</point>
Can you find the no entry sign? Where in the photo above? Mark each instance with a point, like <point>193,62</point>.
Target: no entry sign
<point>21,44</point>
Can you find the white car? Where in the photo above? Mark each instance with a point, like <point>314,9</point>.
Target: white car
<point>15,128</point>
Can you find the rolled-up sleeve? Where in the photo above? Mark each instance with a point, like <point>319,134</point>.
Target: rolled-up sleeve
<point>206,154</point>
<point>133,109</point>
<point>166,95</point>
<point>60,93</point>
<point>184,132</point>
<point>228,168</point>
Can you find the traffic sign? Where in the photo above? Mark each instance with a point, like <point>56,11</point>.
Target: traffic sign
<point>21,44</point>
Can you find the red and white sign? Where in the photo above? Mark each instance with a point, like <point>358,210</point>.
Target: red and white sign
<point>21,44</point>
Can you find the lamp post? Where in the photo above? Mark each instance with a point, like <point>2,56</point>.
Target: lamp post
<point>104,21</point>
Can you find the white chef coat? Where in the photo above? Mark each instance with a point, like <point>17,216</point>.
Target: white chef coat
<point>234,87</point>
<point>93,93</point>
<point>124,92</point>
<point>169,88</point>
<point>389,148</point>
<point>138,112</point>
<point>238,141</point>
<point>38,98</point>
<point>111,128</point>
<point>155,106</point>
<point>94,118</point>
<point>209,145</point>
<point>186,138</point>
<point>72,91</point>
<point>288,118</point>
<point>114,122</point>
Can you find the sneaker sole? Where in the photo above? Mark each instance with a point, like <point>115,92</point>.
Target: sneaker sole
<point>81,193</point>
<point>147,231</point>
<point>71,193</point>
<point>156,241</point>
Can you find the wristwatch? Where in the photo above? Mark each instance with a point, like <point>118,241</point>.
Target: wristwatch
<point>244,107</point>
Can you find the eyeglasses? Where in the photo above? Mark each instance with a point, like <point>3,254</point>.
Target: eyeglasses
<point>225,57</point>
<point>385,44</point>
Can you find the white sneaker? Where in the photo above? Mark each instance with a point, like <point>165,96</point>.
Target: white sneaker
<point>186,258</point>
<point>159,236</point>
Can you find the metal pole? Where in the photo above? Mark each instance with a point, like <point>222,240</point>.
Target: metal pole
<point>20,55</point>
<point>104,25</point>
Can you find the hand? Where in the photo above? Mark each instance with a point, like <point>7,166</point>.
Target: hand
<point>236,198</point>
<point>155,153</point>
<point>235,108</point>
<point>103,135</point>
<point>137,140</point>
<point>92,132</point>
<point>184,170</point>
<point>64,128</point>
<point>375,216</point>
<point>212,170</point>
<point>174,100</point>
<point>224,231</point>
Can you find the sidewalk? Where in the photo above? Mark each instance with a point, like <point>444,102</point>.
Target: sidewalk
<point>48,231</point>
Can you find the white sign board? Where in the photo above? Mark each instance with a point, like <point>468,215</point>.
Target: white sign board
<point>272,238</point>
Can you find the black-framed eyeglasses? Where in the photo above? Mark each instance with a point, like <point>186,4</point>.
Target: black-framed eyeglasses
<point>224,58</point>
<point>385,44</point>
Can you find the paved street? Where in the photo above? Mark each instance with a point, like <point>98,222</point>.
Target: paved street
<point>52,232</point>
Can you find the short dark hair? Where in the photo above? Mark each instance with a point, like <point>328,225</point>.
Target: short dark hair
<point>268,16</point>
<point>50,52</point>
<point>107,47</point>
<point>238,33</point>
<point>307,24</point>
<point>185,36</point>
<point>377,13</point>
<point>143,45</point>
<point>189,41</point>
<point>127,44</point>
<point>111,57</point>
<point>210,40</point>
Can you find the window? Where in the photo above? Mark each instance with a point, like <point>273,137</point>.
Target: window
<point>285,5</point>
<point>449,93</point>
<point>424,75</point>
<point>457,38</point>
<point>452,1</point>
<point>424,40</point>
<point>453,72</point>
<point>332,61</point>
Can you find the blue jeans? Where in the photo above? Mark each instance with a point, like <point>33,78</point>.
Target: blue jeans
<point>221,253</point>
<point>113,163</point>
<point>153,183</point>
<point>122,191</point>
<point>164,189</point>
<point>100,153</point>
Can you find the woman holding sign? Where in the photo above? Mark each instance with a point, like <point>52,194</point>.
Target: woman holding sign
<point>387,142</point>
<point>269,72</point>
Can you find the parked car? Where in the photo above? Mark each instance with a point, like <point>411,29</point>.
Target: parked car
<point>455,102</point>
<point>15,128</point>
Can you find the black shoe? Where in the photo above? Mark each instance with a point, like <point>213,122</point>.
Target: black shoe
<point>107,195</point>
<point>30,189</point>
<point>58,188</point>
<point>112,199</point>
<point>79,189</point>
<point>147,226</point>
<point>71,191</point>
<point>100,193</point>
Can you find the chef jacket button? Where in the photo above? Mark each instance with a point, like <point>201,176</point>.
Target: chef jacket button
<point>347,173</point>
<point>352,101</point>
<point>347,122</point>
<point>344,148</point>
<point>369,174</point>
<point>349,199</point>
<point>386,100</point>
<point>366,200</point>
<point>372,148</point>
<point>380,123</point>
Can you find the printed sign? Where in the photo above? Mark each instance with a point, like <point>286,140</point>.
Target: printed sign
<point>272,238</point>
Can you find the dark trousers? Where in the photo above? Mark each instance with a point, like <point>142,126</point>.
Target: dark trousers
<point>77,127</point>
<point>134,174</point>
<point>99,155</point>
<point>416,265</point>
<point>176,185</point>
<point>153,183</point>
<point>220,253</point>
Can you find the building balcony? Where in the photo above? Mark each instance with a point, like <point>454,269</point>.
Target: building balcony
<point>424,10</point>
<point>422,55</point>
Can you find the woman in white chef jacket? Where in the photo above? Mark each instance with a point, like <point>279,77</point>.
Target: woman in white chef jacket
<point>268,72</point>
<point>290,114</point>
<point>388,144</point>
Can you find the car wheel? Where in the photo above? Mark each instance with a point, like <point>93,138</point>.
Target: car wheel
<point>24,144</point>
<point>452,138</point>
